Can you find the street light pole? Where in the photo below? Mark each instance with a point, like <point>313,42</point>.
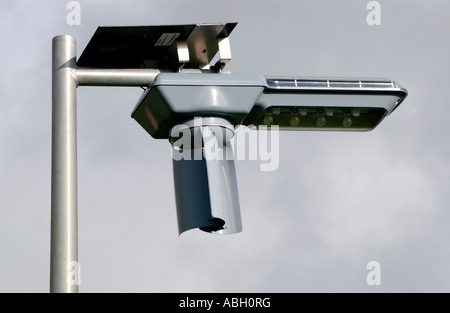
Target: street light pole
<point>66,77</point>
<point>64,206</point>
<point>169,67</point>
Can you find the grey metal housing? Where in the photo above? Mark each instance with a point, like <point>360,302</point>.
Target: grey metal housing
<point>206,191</point>
<point>176,98</point>
<point>242,99</point>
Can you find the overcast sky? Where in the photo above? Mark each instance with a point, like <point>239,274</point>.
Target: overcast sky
<point>336,202</point>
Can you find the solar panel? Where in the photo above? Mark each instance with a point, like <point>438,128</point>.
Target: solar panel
<point>153,46</point>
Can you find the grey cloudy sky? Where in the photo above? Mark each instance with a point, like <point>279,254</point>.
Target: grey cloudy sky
<point>336,202</point>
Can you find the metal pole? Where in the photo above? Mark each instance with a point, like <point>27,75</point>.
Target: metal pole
<point>123,77</point>
<point>64,225</point>
<point>115,77</point>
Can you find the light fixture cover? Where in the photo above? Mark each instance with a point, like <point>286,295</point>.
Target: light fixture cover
<point>292,103</point>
